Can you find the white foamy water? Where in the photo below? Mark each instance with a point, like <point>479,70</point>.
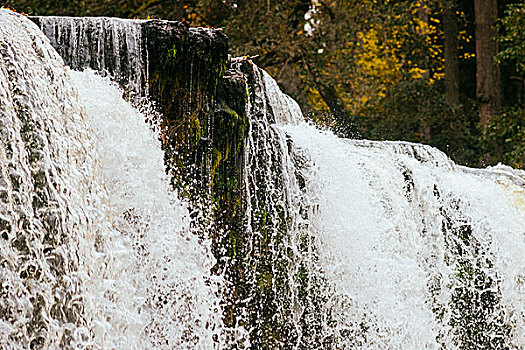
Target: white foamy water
<point>412,251</point>
<point>96,250</point>
<point>347,244</point>
<point>418,251</point>
<point>148,280</point>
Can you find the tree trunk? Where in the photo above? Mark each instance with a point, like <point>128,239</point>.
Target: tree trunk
<point>422,31</point>
<point>337,108</point>
<point>451,54</point>
<point>487,73</point>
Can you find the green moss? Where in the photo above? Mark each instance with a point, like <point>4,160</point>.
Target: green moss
<point>464,271</point>
<point>217,158</point>
<point>172,53</point>
<point>232,247</point>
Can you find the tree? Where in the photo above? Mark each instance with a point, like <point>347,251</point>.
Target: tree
<point>487,72</point>
<point>378,65</point>
<point>512,45</point>
<point>451,53</point>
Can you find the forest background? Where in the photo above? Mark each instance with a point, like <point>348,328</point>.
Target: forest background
<point>448,73</point>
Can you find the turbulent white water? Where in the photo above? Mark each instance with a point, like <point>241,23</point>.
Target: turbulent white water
<point>391,231</point>
<point>96,250</point>
<point>402,248</point>
<point>151,275</point>
<point>346,244</point>
<point>417,253</point>
<point>420,253</point>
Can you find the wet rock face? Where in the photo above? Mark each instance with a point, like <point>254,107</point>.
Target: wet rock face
<point>186,66</point>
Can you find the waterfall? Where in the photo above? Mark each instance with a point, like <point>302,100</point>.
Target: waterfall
<point>274,254</point>
<point>340,243</point>
<point>108,45</point>
<point>96,251</point>
<point>403,249</point>
<point>420,252</point>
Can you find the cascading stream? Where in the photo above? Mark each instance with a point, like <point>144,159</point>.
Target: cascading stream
<point>343,244</point>
<point>151,274</point>
<point>109,45</point>
<point>410,250</point>
<point>96,250</point>
<point>276,236</point>
<point>46,192</point>
<point>420,253</point>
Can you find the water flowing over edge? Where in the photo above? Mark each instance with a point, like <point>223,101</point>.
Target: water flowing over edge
<point>414,251</point>
<point>358,243</point>
<point>111,46</point>
<point>96,249</point>
<point>420,255</point>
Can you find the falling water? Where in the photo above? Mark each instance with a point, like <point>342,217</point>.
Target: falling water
<point>146,257</point>
<point>410,250</point>
<point>108,45</point>
<point>345,244</point>
<point>276,303</point>
<point>96,251</point>
<point>420,253</point>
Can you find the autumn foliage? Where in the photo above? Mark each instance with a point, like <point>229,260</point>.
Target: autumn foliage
<point>371,69</point>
